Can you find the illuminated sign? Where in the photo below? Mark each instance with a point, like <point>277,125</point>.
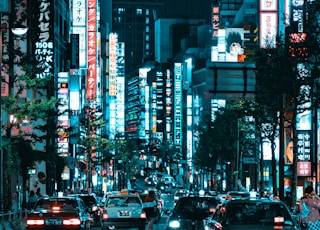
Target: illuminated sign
<point>63,118</point>
<point>92,51</point>
<point>113,43</point>
<point>178,104</point>
<point>268,29</point>
<point>215,20</point>
<point>268,5</point>
<point>229,47</point>
<point>43,50</point>
<point>268,23</point>
<point>79,13</point>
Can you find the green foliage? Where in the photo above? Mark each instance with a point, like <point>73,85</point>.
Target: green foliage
<point>26,112</point>
<point>219,138</point>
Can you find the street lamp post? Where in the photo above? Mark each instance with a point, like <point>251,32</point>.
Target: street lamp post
<point>17,31</point>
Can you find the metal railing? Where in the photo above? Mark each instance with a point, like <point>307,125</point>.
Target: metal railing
<point>13,220</point>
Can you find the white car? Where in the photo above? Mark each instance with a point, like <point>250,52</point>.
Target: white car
<point>123,211</point>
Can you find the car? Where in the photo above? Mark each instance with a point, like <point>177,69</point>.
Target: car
<point>180,193</point>
<point>238,194</point>
<point>167,179</point>
<point>150,181</point>
<point>123,210</point>
<point>262,214</point>
<point>190,212</point>
<point>93,206</point>
<point>59,213</point>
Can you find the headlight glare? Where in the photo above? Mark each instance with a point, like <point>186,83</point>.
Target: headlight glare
<point>174,224</point>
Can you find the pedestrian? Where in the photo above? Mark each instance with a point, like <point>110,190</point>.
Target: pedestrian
<point>150,207</point>
<point>309,210</point>
<point>32,199</point>
<point>288,199</point>
<point>38,193</point>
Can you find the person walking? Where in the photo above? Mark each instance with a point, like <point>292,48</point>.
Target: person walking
<point>309,210</point>
<point>150,206</point>
<point>38,193</point>
<point>32,199</point>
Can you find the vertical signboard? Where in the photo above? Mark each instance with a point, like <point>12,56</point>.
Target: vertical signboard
<point>4,54</point>
<point>79,26</point>
<point>63,118</point>
<point>304,153</point>
<point>121,88</point>
<point>169,104</point>
<point>74,63</point>
<point>92,51</point>
<point>113,43</point>
<point>44,50</point>
<point>178,105</point>
<point>268,23</point>
<point>215,21</point>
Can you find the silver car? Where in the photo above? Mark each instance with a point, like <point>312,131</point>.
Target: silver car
<point>123,211</point>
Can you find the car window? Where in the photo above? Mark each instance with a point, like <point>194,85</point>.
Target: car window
<point>192,205</point>
<point>59,205</point>
<point>123,201</point>
<point>253,213</point>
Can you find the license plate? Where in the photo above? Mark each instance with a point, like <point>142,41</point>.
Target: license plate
<point>53,221</point>
<point>124,213</point>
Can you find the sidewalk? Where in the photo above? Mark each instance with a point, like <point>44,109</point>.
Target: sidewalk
<point>14,224</point>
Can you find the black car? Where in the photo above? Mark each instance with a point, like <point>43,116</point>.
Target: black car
<point>190,212</point>
<point>58,213</point>
<point>262,214</point>
<point>93,206</point>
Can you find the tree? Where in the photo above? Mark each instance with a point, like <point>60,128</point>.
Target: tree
<point>220,140</point>
<point>26,109</point>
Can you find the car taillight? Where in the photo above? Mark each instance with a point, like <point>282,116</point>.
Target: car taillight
<point>74,221</point>
<point>55,209</point>
<point>278,220</point>
<point>35,222</point>
<point>143,215</point>
<point>105,214</point>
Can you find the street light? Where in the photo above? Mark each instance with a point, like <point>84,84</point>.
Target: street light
<point>17,31</point>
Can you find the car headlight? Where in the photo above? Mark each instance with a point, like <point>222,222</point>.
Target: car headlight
<point>174,224</point>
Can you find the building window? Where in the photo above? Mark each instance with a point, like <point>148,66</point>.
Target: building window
<point>120,10</point>
<point>139,11</point>
<point>147,20</point>
<point>147,29</point>
<point>147,37</point>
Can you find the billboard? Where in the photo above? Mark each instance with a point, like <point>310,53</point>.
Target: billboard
<point>229,46</point>
<point>43,41</point>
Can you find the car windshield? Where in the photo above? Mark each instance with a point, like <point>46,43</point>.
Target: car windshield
<point>255,213</point>
<point>56,205</point>
<point>123,201</point>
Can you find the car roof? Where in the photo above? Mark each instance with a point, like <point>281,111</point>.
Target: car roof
<point>239,201</point>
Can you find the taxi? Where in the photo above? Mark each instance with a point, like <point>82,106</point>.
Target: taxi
<point>123,210</point>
